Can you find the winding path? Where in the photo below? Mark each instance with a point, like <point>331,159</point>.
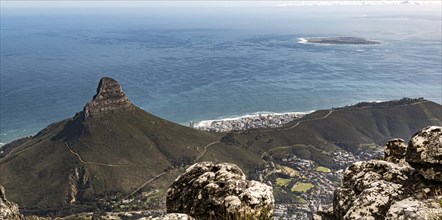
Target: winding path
<point>313,119</point>
<point>147,182</point>
<point>165,172</point>
<point>205,150</point>
<point>93,163</point>
<point>336,110</point>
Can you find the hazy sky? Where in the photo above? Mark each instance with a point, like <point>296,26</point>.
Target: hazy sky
<point>84,3</point>
<point>198,3</point>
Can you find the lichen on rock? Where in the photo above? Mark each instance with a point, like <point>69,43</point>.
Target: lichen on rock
<point>424,152</point>
<point>395,188</point>
<point>394,150</point>
<point>174,216</point>
<point>410,208</point>
<point>219,191</point>
<point>368,187</point>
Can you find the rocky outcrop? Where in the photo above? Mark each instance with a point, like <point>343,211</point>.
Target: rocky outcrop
<point>79,182</point>
<point>8,210</point>
<point>394,150</point>
<point>403,186</point>
<point>425,152</point>
<point>414,209</point>
<point>109,97</point>
<point>219,191</point>
<point>174,216</point>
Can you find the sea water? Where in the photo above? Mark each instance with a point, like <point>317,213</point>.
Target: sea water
<point>193,63</point>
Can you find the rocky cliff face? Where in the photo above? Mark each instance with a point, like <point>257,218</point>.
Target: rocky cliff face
<point>8,210</point>
<point>109,97</point>
<point>79,182</point>
<point>219,191</point>
<point>406,185</point>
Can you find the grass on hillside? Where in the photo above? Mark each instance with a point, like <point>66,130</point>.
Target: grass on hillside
<point>302,187</point>
<point>283,182</point>
<point>323,169</point>
<point>149,197</point>
<point>300,200</point>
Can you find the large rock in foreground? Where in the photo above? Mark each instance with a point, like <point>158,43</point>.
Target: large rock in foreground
<point>424,152</point>
<point>8,210</point>
<point>402,186</point>
<point>394,150</point>
<point>219,191</point>
<point>174,216</point>
<point>377,189</point>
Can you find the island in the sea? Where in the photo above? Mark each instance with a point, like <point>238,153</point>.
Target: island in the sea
<point>337,40</point>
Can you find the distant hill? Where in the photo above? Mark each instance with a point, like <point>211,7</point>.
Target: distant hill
<point>352,128</point>
<point>112,147</point>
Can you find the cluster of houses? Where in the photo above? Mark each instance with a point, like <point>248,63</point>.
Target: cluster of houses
<point>320,196</point>
<point>267,120</point>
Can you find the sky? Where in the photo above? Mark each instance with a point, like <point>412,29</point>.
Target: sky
<point>201,3</point>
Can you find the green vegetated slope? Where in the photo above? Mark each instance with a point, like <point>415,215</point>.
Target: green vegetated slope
<point>117,152</point>
<point>83,158</point>
<point>36,172</point>
<point>353,129</point>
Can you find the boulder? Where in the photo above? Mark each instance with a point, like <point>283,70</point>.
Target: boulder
<point>414,209</point>
<point>394,150</point>
<point>369,189</point>
<point>219,191</point>
<point>8,210</point>
<point>424,152</point>
<point>174,216</point>
<point>393,188</point>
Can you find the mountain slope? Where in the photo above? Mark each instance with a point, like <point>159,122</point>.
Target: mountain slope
<point>111,146</point>
<point>354,128</point>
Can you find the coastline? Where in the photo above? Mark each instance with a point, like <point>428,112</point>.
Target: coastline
<point>248,121</point>
<point>2,144</point>
<point>211,124</point>
<point>239,122</point>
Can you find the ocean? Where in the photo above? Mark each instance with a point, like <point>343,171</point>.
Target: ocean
<point>192,63</point>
